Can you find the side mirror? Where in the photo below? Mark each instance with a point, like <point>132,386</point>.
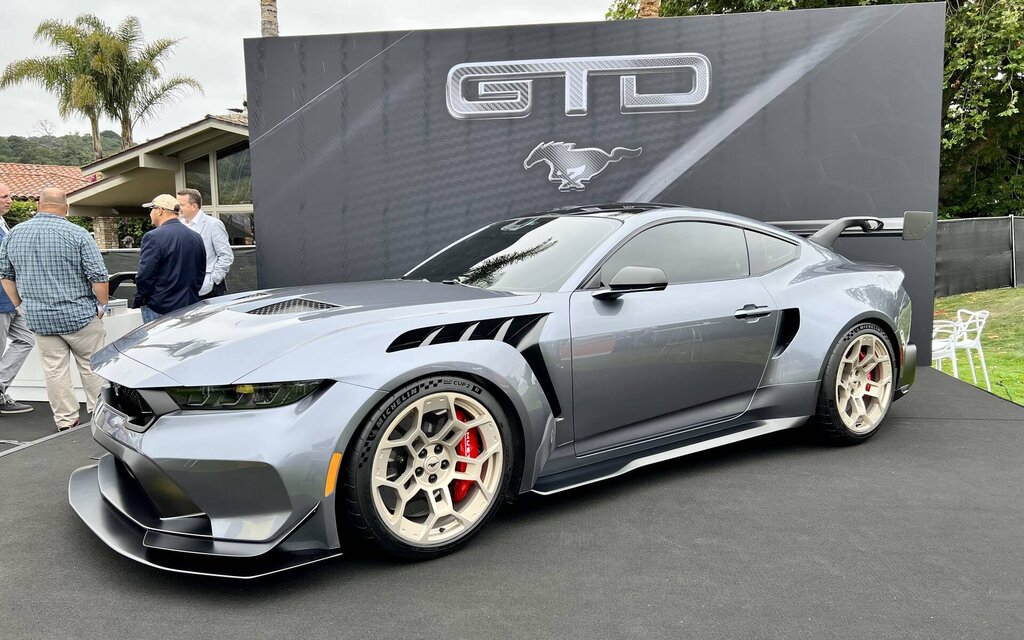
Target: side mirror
<point>633,280</point>
<point>917,224</point>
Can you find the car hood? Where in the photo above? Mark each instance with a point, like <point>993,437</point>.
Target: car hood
<point>219,341</point>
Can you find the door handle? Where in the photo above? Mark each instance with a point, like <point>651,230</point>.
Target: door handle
<point>751,312</point>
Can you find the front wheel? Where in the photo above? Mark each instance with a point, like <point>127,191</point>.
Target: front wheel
<point>429,468</point>
<point>857,389</point>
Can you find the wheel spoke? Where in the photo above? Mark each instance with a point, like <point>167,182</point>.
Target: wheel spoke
<point>860,411</point>
<point>416,411</point>
<point>874,390</point>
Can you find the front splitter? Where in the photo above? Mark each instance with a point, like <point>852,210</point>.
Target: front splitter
<point>125,537</point>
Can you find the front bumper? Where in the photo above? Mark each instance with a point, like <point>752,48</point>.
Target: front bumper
<point>129,538</point>
<point>227,493</point>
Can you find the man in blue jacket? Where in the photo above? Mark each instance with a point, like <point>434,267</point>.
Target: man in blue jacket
<point>13,327</point>
<point>172,262</point>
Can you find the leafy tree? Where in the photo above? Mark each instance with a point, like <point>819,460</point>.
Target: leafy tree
<point>71,74</point>
<point>21,210</point>
<point>982,162</point>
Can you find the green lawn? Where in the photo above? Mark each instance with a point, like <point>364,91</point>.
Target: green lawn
<point>1002,339</point>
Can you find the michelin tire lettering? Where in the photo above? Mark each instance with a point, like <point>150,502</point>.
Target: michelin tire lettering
<point>504,89</point>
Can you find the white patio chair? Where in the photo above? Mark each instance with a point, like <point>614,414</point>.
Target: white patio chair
<point>971,325</point>
<point>945,334</point>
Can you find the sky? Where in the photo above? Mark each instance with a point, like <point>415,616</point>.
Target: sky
<point>211,33</point>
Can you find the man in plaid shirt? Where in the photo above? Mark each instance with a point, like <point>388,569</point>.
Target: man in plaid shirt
<point>55,267</point>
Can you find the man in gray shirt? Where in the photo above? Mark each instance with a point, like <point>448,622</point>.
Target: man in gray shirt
<point>215,240</point>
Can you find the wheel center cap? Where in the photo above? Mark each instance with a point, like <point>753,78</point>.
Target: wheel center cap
<point>433,463</point>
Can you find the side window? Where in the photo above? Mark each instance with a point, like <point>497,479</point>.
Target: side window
<point>767,252</point>
<point>685,251</point>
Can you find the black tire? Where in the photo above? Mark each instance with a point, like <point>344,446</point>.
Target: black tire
<point>829,418</point>
<point>357,513</point>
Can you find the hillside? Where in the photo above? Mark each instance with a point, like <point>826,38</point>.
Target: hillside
<point>70,150</point>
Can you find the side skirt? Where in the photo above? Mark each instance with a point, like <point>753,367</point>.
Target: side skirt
<point>616,467</point>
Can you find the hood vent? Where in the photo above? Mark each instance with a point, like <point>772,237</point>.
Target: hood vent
<point>295,305</point>
<point>509,330</point>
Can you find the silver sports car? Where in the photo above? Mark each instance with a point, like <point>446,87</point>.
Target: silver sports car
<point>262,431</point>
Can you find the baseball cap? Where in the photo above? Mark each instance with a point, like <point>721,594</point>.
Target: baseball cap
<point>164,201</point>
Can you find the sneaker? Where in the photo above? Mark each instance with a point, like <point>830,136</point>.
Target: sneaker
<point>8,405</point>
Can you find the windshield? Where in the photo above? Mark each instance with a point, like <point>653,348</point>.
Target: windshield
<point>526,254</point>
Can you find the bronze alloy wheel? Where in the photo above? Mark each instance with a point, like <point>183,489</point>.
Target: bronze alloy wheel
<point>429,468</point>
<point>857,390</point>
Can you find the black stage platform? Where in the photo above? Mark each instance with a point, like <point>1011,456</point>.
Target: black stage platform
<point>917,534</point>
<point>22,428</point>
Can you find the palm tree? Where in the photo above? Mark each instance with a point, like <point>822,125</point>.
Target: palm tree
<point>268,18</point>
<point>133,89</point>
<point>70,74</point>
<point>649,9</point>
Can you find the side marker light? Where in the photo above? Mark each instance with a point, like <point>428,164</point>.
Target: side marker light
<point>332,474</point>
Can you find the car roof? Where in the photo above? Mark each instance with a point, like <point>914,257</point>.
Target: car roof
<point>629,210</point>
<point>609,209</point>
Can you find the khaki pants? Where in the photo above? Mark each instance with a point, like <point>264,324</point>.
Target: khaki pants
<point>55,352</point>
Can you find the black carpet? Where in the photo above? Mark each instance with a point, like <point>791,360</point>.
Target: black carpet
<point>915,534</point>
<point>38,423</point>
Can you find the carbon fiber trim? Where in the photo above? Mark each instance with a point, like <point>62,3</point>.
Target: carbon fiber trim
<point>296,305</point>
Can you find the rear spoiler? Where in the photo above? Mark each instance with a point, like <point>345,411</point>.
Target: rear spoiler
<point>914,225</point>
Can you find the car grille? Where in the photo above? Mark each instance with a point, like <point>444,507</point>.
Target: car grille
<point>131,403</point>
<point>296,305</point>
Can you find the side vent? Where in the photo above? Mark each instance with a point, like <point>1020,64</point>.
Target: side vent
<point>789,324</point>
<point>508,330</point>
<point>295,305</point>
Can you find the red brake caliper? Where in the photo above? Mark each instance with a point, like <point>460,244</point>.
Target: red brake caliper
<point>468,447</point>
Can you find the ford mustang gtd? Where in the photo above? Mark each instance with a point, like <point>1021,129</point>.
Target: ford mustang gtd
<point>261,431</point>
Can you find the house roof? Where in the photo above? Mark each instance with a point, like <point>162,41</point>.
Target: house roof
<point>237,122</point>
<point>134,175</point>
<point>26,181</point>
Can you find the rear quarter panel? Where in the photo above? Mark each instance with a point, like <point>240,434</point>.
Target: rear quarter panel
<point>832,294</point>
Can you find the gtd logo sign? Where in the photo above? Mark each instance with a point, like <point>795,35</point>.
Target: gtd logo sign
<point>504,89</point>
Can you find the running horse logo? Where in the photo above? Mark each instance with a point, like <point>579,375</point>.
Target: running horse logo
<point>575,167</point>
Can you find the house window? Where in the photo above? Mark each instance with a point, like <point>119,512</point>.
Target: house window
<point>234,175</point>
<point>224,178</point>
<point>239,227</point>
<point>197,176</point>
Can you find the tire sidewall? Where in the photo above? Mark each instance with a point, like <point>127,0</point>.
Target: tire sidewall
<point>359,484</point>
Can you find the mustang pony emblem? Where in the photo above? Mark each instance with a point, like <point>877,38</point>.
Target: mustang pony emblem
<point>575,167</point>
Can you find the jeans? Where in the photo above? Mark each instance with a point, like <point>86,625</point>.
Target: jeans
<point>13,328</point>
<point>148,315</point>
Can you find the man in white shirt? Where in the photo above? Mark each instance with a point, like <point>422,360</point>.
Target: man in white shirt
<point>215,238</point>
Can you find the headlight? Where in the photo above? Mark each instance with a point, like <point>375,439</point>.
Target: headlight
<point>264,395</point>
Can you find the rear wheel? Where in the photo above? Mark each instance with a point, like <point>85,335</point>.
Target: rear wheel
<point>857,390</point>
<point>429,468</point>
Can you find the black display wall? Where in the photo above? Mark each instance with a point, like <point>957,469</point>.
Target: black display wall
<point>371,151</point>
